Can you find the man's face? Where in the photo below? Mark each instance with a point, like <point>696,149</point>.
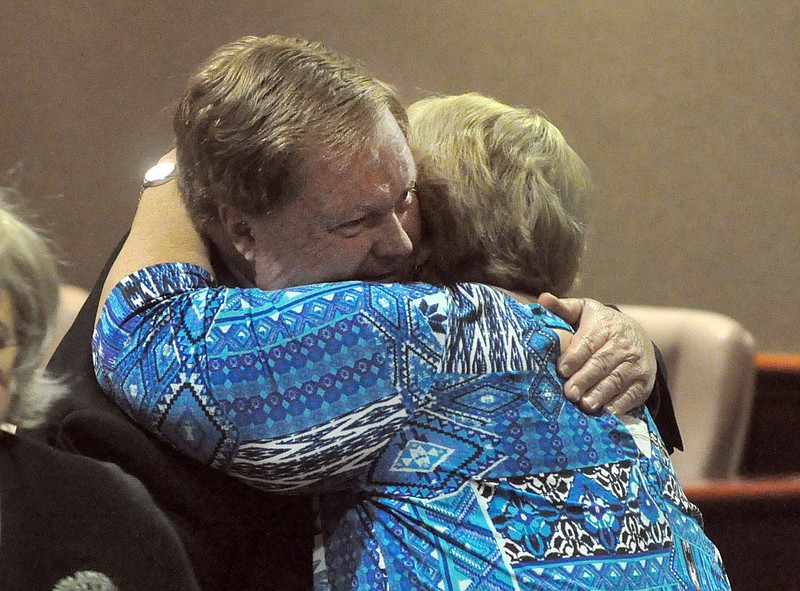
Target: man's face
<point>353,220</point>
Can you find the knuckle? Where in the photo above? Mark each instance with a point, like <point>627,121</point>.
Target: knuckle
<point>611,387</point>
<point>608,388</point>
<point>632,373</point>
<point>606,362</point>
<point>626,342</point>
<point>596,370</point>
<point>616,383</point>
<point>636,397</point>
<point>586,343</point>
<point>624,403</point>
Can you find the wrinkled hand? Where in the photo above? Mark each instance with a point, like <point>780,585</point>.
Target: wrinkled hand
<point>610,362</point>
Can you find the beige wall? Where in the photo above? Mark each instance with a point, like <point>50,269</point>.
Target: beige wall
<point>686,112</point>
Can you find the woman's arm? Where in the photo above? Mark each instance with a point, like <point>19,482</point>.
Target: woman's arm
<point>162,232</point>
<point>285,390</point>
<point>230,377</point>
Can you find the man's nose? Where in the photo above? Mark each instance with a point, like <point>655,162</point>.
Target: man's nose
<point>393,240</point>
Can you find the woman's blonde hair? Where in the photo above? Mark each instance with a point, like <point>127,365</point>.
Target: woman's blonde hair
<point>28,275</point>
<point>503,196</point>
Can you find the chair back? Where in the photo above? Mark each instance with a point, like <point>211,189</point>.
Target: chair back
<point>710,361</point>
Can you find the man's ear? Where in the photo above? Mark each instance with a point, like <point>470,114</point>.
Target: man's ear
<point>237,227</point>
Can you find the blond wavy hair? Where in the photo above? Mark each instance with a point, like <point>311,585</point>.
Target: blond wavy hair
<point>28,274</point>
<point>503,196</point>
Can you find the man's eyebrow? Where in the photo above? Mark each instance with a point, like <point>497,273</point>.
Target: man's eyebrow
<point>372,208</point>
<point>336,217</point>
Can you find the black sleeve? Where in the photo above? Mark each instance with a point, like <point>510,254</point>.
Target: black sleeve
<point>660,405</point>
<point>92,526</point>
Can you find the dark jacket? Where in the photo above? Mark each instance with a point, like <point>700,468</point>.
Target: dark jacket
<point>66,521</point>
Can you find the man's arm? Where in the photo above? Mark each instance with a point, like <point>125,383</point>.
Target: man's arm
<point>611,364</point>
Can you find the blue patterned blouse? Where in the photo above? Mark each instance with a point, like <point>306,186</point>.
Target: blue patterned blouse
<point>429,422</point>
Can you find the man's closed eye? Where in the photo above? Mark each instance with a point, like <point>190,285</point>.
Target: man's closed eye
<point>353,227</point>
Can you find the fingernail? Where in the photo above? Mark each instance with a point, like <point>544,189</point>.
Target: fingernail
<point>573,393</point>
<point>590,404</point>
<point>565,369</point>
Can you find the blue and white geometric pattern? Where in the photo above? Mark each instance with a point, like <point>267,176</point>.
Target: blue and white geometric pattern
<point>420,456</point>
<point>430,421</point>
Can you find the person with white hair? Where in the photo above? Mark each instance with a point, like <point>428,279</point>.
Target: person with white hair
<point>67,522</point>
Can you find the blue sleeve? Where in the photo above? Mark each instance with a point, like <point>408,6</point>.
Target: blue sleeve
<point>282,389</point>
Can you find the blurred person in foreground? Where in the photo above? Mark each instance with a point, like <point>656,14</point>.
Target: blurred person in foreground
<point>66,522</point>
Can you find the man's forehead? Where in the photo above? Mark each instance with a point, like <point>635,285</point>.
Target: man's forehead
<point>387,169</point>
<point>385,136</point>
